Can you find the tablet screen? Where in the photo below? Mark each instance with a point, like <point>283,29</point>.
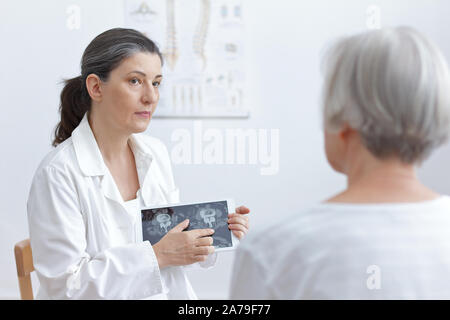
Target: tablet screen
<point>157,222</point>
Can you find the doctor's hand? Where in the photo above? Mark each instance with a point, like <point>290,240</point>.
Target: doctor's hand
<point>178,248</point>
<point>238,222</point>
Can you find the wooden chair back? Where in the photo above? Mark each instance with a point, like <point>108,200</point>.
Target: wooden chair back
<point>24,264</point>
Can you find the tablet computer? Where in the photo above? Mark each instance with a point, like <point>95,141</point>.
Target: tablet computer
<point>158,220</point>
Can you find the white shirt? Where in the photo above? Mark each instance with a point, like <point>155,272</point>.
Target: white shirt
<point>349,251</point>
<point>85,243</point>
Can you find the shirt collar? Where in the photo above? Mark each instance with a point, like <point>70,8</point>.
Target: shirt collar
<point>90,158</point>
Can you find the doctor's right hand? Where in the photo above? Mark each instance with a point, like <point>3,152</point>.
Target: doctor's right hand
<point>178,248</point>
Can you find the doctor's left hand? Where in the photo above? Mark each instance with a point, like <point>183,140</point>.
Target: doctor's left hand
<point>238,221</point>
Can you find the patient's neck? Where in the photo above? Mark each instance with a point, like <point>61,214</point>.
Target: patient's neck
<point>374,180</point>
<point>379,172</point>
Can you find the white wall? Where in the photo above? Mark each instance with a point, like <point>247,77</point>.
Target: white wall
<point>284,41</point>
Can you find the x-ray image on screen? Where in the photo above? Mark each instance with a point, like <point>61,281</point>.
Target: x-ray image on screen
<point>209,215</point>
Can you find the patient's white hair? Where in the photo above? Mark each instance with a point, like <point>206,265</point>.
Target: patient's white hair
<point>392,86</point>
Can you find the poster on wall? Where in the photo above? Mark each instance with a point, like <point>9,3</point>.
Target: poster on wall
<point>203,49</point>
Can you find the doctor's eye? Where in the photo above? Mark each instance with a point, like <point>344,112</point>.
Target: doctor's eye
<point>135,81</point>
<point>156,84</point>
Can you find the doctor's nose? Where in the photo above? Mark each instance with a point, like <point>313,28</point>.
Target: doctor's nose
<point>151,95</point>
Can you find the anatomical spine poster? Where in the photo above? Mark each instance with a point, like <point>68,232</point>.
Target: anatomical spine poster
<point>202,46</point>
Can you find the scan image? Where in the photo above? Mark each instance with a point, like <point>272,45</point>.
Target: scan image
<point>157,222</point>
<point>211,215</point>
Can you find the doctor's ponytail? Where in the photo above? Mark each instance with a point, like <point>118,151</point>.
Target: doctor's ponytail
<point>75,101</point>
<point>101,56</point>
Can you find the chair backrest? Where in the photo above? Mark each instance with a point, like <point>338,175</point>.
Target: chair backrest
<point>24,264</point>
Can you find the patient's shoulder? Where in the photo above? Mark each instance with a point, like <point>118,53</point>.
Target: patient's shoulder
<point>287,232</point>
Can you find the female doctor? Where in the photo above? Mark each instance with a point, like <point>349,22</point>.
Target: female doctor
<point>83,206</point>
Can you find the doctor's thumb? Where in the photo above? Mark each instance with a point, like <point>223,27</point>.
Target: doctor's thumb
<point>181,226</point>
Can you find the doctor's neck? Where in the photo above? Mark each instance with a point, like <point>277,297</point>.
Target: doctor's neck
<point>111,140</point>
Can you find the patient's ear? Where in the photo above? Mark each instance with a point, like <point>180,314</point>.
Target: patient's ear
<point>335,147</point>
<point>346,132</point>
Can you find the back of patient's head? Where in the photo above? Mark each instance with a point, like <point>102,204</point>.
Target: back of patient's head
<point>393,87</point>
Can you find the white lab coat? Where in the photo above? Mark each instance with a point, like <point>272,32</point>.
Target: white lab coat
<point>85,244</point>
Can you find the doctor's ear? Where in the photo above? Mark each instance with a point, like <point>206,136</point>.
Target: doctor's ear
<point>93,86</point>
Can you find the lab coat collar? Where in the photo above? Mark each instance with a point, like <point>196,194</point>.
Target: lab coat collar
<point>91,160</point>
<point>88,154</point>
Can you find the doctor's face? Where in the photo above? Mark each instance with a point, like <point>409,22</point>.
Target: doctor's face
<point>130,96</point>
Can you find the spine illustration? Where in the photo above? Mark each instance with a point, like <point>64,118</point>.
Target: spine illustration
<point>171,52</point>
<point>201,31</point>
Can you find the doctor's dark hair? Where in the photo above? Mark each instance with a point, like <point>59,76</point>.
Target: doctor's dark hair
<point>101,56</point>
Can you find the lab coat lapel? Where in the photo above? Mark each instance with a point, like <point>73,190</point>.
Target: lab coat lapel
<point>143,158</point>
<point>110,189</point>
<point>91,161</point>
<point>153,191</point>
<point>146,166</point>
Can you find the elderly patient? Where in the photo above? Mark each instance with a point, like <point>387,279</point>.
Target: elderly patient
<point>386,106</point>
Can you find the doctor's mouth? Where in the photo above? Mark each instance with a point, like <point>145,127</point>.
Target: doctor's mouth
<point>144,114</point>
